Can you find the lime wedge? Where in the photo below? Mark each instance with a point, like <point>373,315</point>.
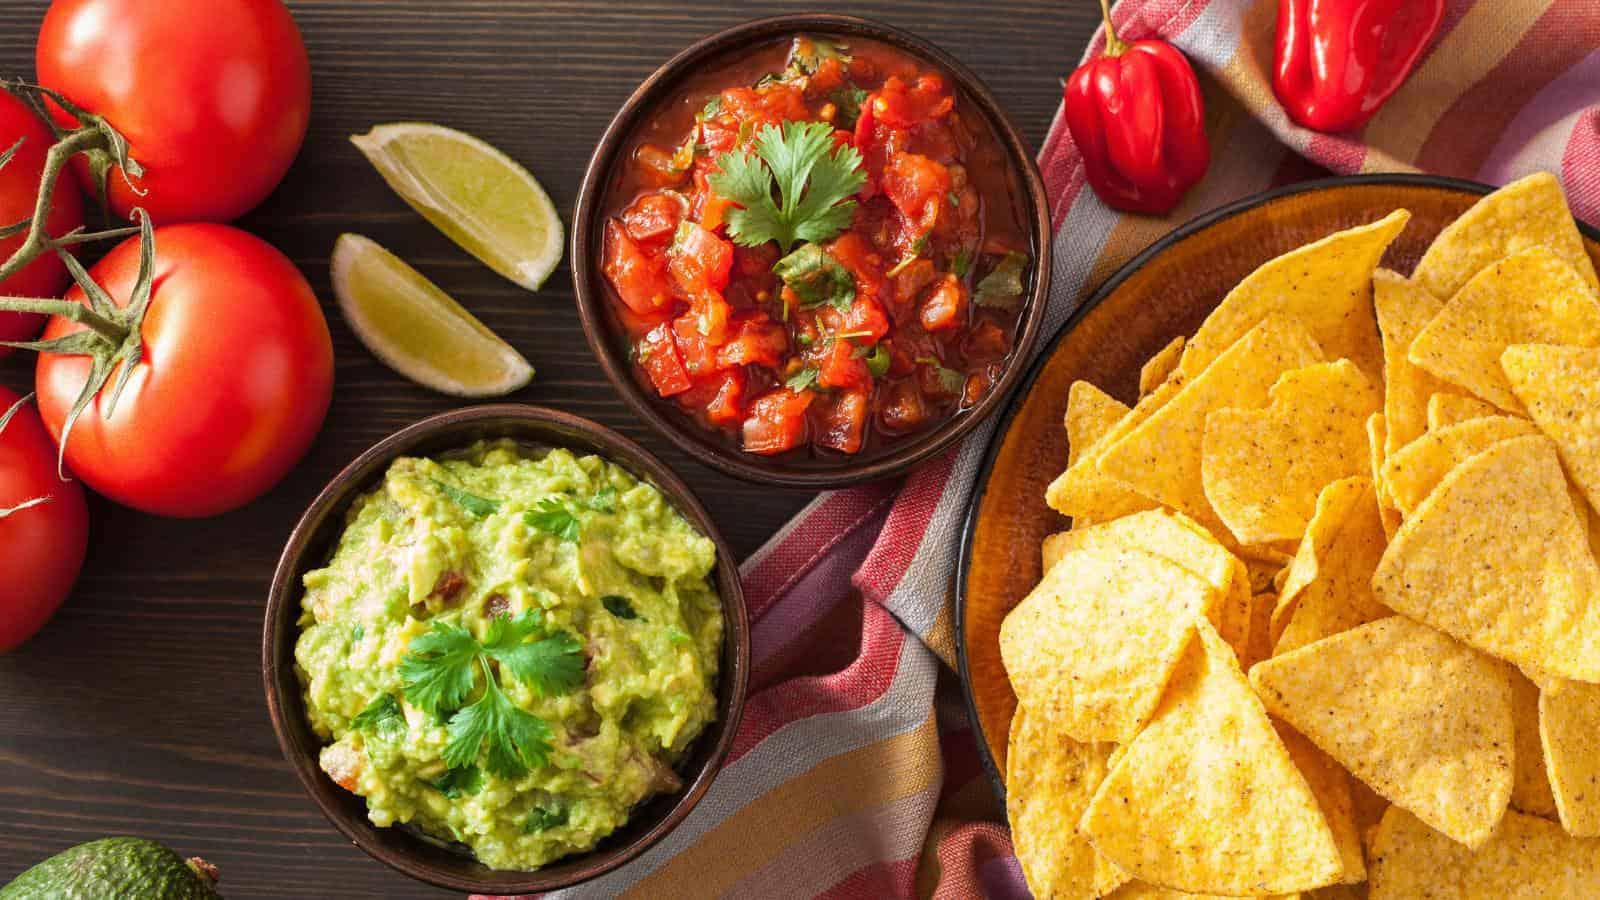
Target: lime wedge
<point>416,328</point>
<point>478,196</point>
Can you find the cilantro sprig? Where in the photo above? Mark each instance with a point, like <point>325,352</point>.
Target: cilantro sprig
<point>813,185</point>
<point>817,278</point>
<point>440,671</point>
<point>1002,287</point>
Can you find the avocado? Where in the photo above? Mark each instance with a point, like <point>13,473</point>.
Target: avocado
<point>115,868</point>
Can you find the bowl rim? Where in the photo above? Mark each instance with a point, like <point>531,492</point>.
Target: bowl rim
<point>283,597</point>
<point>679,430</point>
<point>991,453</point>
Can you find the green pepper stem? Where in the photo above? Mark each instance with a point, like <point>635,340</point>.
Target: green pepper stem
<point>1114,44</point>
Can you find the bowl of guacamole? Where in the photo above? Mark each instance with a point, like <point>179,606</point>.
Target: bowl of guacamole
<point>505,650</point>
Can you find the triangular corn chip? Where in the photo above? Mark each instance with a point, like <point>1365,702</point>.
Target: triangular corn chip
<point>1263,468</point>
<point>1530,212</point>
<point>1330,582</point>
<point>1258,642</point>
<point>1569,731</point>
<point>1527,858</point>
<point>1330,784</point>
<point>1530,790</point>
<point>1050,779</point>
<point>1139,890</point>
<point>1091,414</point>
<point>1445,410</point>
<point>1414,470</point>
<point>1093,645</point>
<point>1377,435</point>
<point>1156,369</point>
<point>1206,799</point>
<point>1533,297</point>
<point>1404,309</point>
<point>1561,388</point>
<point>1088,496</point>
<point>1327,286</point>
<point>1160,457</point>
<point>1499,557</point>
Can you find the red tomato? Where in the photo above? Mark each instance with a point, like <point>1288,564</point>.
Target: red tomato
<point>777,421</point>
<point>234,385</point>
<point>945,306</point>
<point>918,187</point>
<point>699,261</point>
<point>842,420</point>
<point>658,354</point>
<point>653,217</point>
<point>19,187</point>
<point>839,367</point>
<point>639,278</point>
<point>41,547</point>
<point>213,96</point>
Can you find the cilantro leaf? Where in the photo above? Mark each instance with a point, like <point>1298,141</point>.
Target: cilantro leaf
<point>553,665</point>
<point>817,278</point>
<point>544,818</point>
<point>515,739</point>
<point>949,379</point>
<point>1002,287</point>
<point>554,517</point>
<point>711,110</point>
<point>604,500</point>
<point>806,53</point>
<point>961,263</point>
<point>848,100</point>
<point>382,717</point>
<point>472,503</point>
<point>505,632</point>
<point>458,783</point>
<point>814,180</point>
<point>803,379</point>
<point>436,671</point>
<point>619,606</point>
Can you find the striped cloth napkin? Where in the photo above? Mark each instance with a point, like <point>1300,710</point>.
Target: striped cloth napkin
<point>856,774</point>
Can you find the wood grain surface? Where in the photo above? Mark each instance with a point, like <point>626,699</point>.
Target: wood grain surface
<point>139,709</point>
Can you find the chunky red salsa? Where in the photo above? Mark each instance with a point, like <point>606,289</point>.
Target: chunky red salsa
<point>817,246</point>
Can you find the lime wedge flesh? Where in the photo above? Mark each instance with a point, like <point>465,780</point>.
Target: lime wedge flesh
<point>479,197</point>
<point>417,329</point>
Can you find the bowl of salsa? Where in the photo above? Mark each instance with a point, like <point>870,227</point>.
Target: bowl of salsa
<point>809,250</point>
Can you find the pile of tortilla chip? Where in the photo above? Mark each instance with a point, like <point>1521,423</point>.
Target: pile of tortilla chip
<point>1326,622</point>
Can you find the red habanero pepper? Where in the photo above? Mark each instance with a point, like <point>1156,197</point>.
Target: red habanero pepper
<point>1338,61</point>
<point>1137,117</point>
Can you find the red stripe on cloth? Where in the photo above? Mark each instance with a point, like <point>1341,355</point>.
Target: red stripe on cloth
<point>858,685</point>
<point>1580,167</point>
<point>1341,153</point>
<point>1464,137</point>
<point>877,881</point>
<point>831,521</point>
<point>902,534</point>
<point>962,855</point>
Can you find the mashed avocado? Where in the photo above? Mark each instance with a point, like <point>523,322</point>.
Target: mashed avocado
<point>568,653</point>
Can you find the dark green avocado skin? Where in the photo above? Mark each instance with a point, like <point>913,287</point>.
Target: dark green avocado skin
<point>117,868</point>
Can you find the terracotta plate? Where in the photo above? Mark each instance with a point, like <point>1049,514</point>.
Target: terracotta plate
<point>1165,291</point>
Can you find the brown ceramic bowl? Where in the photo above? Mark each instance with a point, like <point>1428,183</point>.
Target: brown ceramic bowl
<point>310,545</point>
<point>594,293</point>
<point>1165,291</point>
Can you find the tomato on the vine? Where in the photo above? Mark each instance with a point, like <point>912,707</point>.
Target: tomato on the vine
<point>234,383</point>
<point>19,186</point>
<point>44,526</point>
<point>214,96</point>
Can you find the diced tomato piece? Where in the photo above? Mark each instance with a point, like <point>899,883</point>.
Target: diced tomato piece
<point>754,340</point>
<point>713,211</point>
<point>777,421</point>
<point>902,408</point>
<point>839,367</point>
<point>857,254</point>
<point>658,354</point>
<point>720,134</point>
<point>658,167</point>
<point>986,341</point>
<point>828,77</point>
<point>653,217</point>
<point>919,188</point>
<point>945,306</point>
<point>697,350</point>
<point>899,105</point>
<point>864,322</point>
<point>699,260</point>
<point>913,278</point>
<point>726,408</point>
<point>774,102</point>
<point>640,278</point>
<point>840,421</point>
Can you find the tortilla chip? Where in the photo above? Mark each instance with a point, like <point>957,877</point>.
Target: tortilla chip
<point>1530,789</point>
<point>1327,286</point>
<point>1258,643</point>
<point>1093,645</point>
<point>1561,388</point>
<point>1261,574</point>
<point>1377,435</point>
<point>1531,298</point>
<point>1330,784</point>
<point>1139,890</point>
<point>1528,858</point>
<point>1569,731</point>
<point>1158,367</point>
<point>1160,458</point>
<point>1263,468</point>
<point>1206,798</point>
<point>1445,410</point>
<point>1088,496</point>
<point>1404,309</point>
<point>1530,212</point>
<point>1422,719</point>
<point>1498,557</point>
<point>1091,414</point>
<point>1049,780</point>
<point>1329,589</point>
<point>1417,468</point>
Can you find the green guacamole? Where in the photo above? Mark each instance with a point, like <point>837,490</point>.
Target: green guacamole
<point>519,552</point>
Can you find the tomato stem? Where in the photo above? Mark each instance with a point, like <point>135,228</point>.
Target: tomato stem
<point>39,241</point>
<point>112,331</point>
<point>1114,45</point>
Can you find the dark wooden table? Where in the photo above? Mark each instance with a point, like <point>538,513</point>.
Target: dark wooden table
<point>139,710</point>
